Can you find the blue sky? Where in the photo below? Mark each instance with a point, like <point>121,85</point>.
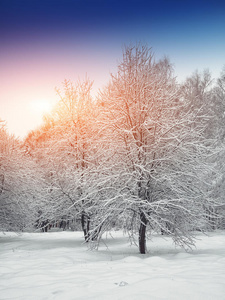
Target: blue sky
<point>43,42</point>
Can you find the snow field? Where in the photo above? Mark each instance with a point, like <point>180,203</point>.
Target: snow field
<point>59,266</point>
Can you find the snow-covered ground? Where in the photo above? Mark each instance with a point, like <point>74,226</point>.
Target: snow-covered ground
<point>58,265</point>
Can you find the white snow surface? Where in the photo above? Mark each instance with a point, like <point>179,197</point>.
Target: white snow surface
<point>59,266</point>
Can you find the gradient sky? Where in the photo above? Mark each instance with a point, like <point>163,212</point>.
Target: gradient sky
<point>43,42</point>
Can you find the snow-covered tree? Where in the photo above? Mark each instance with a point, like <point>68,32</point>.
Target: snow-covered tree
<point>161,152</point>
<point>200,91</point>
<point>69,151</point>
<point>218,107</point>
<point>18,181</point>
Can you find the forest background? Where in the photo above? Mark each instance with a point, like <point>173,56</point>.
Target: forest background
<point>145,155</point>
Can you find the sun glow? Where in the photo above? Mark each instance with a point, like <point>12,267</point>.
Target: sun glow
<point>40,106</point>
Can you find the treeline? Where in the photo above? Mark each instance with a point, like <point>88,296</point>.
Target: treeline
<point>147,154</point>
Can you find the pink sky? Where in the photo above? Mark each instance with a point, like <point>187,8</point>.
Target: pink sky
<point>42,44</point>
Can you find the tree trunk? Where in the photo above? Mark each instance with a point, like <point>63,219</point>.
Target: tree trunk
<point>142,233</point>
<point>85,223</point>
